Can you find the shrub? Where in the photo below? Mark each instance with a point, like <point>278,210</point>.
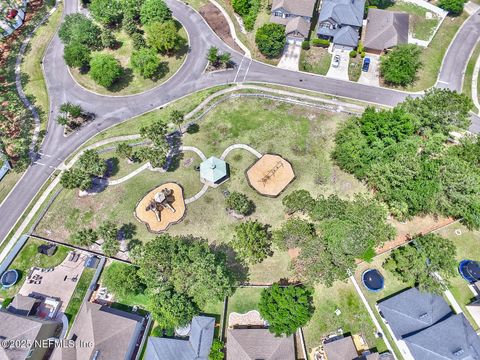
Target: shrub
<point>154,11</point>
<point>145,62</point>
<point>240,203</point>
<point>270,39</point>
<point>248,10</point>
<point>321,42</point>
<point>162,37</point>
<point>76,55</point>
<point>306,45</point>
<point>454,7</point>
<point>362,54</point>
<point>77,28</point>
<point>105,69</point>
<point>400,65</point>
<point>138,40</point>
<point>353,54</point>
<point>129,25</point>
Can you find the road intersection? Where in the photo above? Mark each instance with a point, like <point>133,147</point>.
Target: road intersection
<point>111,110</point>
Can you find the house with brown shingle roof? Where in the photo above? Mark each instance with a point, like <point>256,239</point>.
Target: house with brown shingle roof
<point>295,15</point>
<point>111,334</point>
<point>385,29</point>
<point>254,344</point>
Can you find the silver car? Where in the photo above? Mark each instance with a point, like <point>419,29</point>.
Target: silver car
<point>336,61</point>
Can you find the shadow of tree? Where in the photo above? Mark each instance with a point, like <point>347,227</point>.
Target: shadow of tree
<point>123,82</point>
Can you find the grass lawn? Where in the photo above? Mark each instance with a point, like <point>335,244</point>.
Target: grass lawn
<point>355,68</point>
<point>34,84</point>
<point>315,60</point>
<point>302,135</point>
<point>244,300</point>
<point>354,318</point>
<point>79,293</point>
<point>432,56</point>
<point>467,81</point>
<point>119,167</point>
<point>420,27</point>
<point>130,82</point>
<point>8,182</point>
<point>29,257</point>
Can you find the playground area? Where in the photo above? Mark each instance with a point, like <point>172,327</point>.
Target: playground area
<point>161,207</point>
<point>270,175</point>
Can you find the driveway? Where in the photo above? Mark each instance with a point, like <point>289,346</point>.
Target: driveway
<point>290,57</point>
<point>372,76</point>
<point>340,72</point>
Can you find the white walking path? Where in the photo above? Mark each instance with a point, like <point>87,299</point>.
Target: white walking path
<point>131,175</point>
<point>195,150</point>
<point>240,146</point>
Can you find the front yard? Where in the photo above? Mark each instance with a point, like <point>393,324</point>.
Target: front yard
<point>315,60</point>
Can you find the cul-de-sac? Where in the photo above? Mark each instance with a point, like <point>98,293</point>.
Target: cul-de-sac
<point>239,180</point>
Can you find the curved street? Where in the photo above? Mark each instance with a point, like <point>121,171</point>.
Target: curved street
<point>190,78</point>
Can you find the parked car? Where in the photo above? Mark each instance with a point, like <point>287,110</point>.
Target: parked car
<point>366,64</point>
<point>336,61</point>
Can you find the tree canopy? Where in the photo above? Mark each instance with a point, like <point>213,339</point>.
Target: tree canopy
<point>270,39</point>
<point>240,203</point>
<point>454,7</point>
<point>77,55</point>
<point>79,29</point>
<point>122,279</point>
<point>107,12</point>
<point>252,241</point>
<point>145,62</point>
<point>400,65</point>
<point>286,308</point>
<point>154,11</point>
<point>163,36</point>
<point>105,69</point>
<point>80,176</point>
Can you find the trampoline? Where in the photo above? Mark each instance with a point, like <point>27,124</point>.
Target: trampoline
<point>9,278</point>
<point>372,280</point>
<point>469,270</point>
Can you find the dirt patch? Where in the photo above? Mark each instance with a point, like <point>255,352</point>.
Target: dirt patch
<point>219,24</point>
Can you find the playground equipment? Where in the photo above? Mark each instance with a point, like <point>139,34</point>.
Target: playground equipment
<point>162,200</point>
<point>271,173</point>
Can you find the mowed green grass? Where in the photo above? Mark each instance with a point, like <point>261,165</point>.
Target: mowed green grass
<point>467,81</point>
<point>29,257</point>
<point>79,294</point>
<point>315,60</point>
<point>131,82</point>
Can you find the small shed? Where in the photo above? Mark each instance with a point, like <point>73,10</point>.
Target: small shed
<point>5,167</point>
<point>92,262</point>
<point>47,249</point>
<point>213,171</point>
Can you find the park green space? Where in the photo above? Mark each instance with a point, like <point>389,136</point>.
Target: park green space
<point>420,27</point>
<point>130,82</point>
<point>29,257</point>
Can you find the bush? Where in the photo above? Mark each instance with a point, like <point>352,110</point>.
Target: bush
<point>76,55</point>
<point>353,54</point>
<point>321,42</point>
<point>138,40</point>
<point>248,10</point>
<point>306,45</point>
<point>270,39</point>
<point>400,65</point>
<point>363,54</point>
<point>454,7</point>
<point>77,28</point>
<point>154,11</point>
<point>129,25</point>
<point>240,203</point>
<point>145,62</point>
<point>162,37</point>
<point>105,69</point>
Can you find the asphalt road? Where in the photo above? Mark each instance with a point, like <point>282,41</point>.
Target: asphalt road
<point>191,77</point>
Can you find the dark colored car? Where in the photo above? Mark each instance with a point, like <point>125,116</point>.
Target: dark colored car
<point>366,64</point>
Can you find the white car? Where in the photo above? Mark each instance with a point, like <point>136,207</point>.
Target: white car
<point>336,61</point>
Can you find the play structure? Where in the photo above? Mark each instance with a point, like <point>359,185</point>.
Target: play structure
<point>161,207</point>
<point>9,278</point>
<point>469,270</point>
<point>270,175</point>
<point>373,280</point>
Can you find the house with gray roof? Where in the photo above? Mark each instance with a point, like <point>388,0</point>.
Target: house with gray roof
<point>112,334</point>
<point>340,349</point>
<point>196,347</point>
<point>295,15</point>
<point>340,22</point>
<point>385,29</point>
<point>254,344</point>
<point>29,330</point>
<point>424,327</point>
<point>23,305</point>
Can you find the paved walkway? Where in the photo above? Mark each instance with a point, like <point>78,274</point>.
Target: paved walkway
<point>476,72</point>
<point>240,146</point>
<point>197,195</point>
<point>471,7</point>
<point>131,175</point>
<point>195,150</point>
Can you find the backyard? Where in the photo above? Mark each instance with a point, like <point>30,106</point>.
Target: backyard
<point>79,294</point>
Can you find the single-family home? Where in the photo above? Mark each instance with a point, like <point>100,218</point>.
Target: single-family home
<point>254,344</point>
<point>384,30</point>
<point>37,336</point>
<point>474,310</point>
<point>424,327</point>
<point>295,15</point>
<point>340,22</point>
<point>24,305</point>
<point>196,347</point>
<point>343,348</point>
<point>102,332</point>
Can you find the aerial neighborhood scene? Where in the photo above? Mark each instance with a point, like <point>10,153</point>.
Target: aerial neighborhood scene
<point>239,179</point>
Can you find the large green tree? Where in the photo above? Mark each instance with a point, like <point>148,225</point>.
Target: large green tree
<point>400,65</point>
<point>105,69</point>
<point>77,55</point>
<point>154,11</point>
<point>77,28</point>
<point>240,203</point>
<point>286,308</point>
<point>107,12</point>
<point>270,39</point>
<point>84,237</point>
<point>80,176</point>
<point>454,7</point>
<point>163,36</point>
<point>145,62</point>
<point>122,279</point>
<point>252,241</point>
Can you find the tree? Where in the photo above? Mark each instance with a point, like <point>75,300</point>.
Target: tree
<point>125,151</point>
<point>154,11</point>
<point>240,203</point>
<point>241,7</point>
<point>270,39</point>
<point>156,133</point>
<point>76,178</point>
<point>454,7</point>
<point>286,308</point>
<point>108,12</point>
<point>122,279</point>
<point>91,163</point>
<point>105,69</point>
<point>145,62</point>
<point>76,55</point>
<point>418,262</point>
<point>85,237</point>
<point>225,58</point>
<point>212,55</point>
<point>216,351</point>
<point>298,200</point>
<point>252,241</point>
<point>110,247</point>
<point>107,230</point>
<point>163,36</point>
<point>293,233</point>
<point>170,308</point>
<point>77,28</point>
<point>400,65</point>
<point>71,109</point>
<point>176,117</point>
<point>80,176</point>
<point>108,39</point>
<point>138,40</point>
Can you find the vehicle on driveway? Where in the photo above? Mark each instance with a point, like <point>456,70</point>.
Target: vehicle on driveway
<point>336,61</point>
<point>366,64</point>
